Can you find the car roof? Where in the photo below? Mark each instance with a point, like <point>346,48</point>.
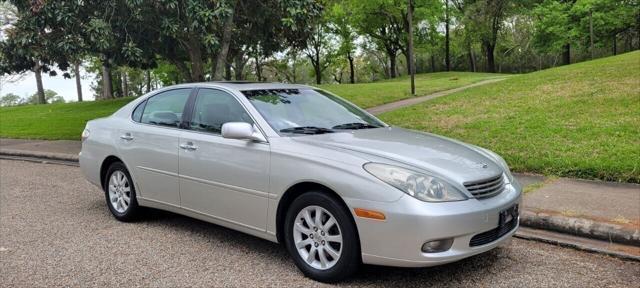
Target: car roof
<point>247,85</point>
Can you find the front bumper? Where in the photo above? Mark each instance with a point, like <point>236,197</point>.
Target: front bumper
<point>409,223</point>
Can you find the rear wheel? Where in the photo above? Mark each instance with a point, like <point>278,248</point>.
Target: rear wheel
<point>321,237</point>
<point>120,193</point>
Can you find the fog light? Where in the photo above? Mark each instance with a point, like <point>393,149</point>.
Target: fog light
<point>437,245</point>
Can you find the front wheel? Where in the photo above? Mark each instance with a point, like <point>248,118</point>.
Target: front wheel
<point>321,237</point>
<point>120,193</point>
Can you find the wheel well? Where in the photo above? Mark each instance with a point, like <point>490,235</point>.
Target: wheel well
<point>105,166</point>
<point>292,193</point>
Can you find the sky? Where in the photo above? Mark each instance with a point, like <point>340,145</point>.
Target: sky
<point>65,87</point>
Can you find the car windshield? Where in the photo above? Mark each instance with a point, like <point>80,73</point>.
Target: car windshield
<point>308,111</point>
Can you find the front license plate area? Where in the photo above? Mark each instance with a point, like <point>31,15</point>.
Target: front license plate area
<point>508,215</point>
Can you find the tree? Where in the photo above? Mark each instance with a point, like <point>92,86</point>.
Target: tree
<point>340,26</point>
<point>604,20</point>
<point>25,46</point>
<point>447,43</point>
<point>382,21</point>
<point>50,97</point>
<point>385,21</point>
<point>320,51</point>
<point>553,28</point>
<point>487,18</point>
<point>10,99</point>
<point>560,25</point>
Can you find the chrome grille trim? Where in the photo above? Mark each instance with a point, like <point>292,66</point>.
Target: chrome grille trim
<point>487,187</point>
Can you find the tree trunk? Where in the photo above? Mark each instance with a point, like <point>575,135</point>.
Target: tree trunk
<point>37,70</point>
<point>447,57</point>
<point>591,33</point>
<point>566,54</point>
<point>472,61</point>
<point>352,75</point>
<point>392,65</point>
<point>227,29</point>
<point>227,71</point>
<point>107,86</point>
<point>615,44</point>
<point>148,80</point>
<point>239,66</point>
<point>407,60</point>
<point>125,84</point>
<point>433,63</point>
<point>258,68</point>
<point>491,63</point>
<point>410,63</point>
<point>318,73</point>
<point>76,71</point>
<point>195,56</point>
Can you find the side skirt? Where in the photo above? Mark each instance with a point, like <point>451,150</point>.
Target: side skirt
<point>207,218</point>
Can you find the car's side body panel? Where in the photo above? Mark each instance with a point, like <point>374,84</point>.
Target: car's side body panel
<point>227,178</point>
<point>152,156</point>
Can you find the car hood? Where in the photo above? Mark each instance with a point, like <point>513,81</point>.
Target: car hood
<point>440,156</point>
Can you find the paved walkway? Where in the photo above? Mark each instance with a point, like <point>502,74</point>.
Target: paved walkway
<point>415,100</point>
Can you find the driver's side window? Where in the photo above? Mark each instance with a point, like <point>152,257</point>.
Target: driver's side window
<point>213,108</point>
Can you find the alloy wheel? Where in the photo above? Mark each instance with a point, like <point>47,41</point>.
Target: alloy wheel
<point>119,191</point>
<point>317,237</point>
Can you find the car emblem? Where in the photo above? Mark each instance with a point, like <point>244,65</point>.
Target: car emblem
<point>481,165</point>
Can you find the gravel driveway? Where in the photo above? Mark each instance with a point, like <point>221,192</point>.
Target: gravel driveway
<point>55,230</point>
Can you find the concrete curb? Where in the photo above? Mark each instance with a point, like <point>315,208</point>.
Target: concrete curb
<point>41,155</point>
<point>581,227</point>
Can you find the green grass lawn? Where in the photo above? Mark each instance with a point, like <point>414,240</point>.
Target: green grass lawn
<point>373,94</point>
<point>54,121</point>
<point>581,120</point>
<point>66,121</point>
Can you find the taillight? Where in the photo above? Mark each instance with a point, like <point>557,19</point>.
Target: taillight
<point>85,134</point>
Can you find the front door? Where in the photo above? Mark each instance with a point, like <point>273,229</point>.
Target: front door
<point>149,144</point>
<point>224,178</point>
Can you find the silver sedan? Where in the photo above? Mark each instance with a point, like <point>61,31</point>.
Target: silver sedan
<point>300,166</point>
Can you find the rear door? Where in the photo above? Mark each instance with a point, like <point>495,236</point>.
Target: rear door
<point>150,145</point>
<point>224,178</point>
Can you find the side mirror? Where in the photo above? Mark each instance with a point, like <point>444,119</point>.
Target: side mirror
<point>242,131</point>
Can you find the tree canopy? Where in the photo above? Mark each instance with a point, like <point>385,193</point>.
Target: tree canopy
<point>134,46</point>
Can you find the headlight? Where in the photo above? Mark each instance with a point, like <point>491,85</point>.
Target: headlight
<point>420,186</point>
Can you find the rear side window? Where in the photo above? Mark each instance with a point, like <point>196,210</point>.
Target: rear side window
<point>165,108</point>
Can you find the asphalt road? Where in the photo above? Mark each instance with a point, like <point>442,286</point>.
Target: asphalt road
<point>55,230</point>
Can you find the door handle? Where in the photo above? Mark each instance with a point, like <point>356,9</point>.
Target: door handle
<point>126,137</point>
<point>188,146</point>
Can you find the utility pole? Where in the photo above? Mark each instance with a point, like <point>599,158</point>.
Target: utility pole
<point>412,69</point>
<point>591,31</point>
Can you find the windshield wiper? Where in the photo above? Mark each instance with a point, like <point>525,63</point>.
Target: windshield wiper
<point>355,125</point>
<point>307,130</point>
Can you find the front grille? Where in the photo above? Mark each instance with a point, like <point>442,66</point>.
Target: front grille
<point>493,235</point>
<point>487,187</point>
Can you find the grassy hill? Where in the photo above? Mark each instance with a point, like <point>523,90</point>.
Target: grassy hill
<point>54,121</point>
<point>581,120</point>
<point>373,94</point>
<point>66,121</point>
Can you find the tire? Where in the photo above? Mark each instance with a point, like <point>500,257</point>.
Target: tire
<point>119,185</point>
<point>324,240</point>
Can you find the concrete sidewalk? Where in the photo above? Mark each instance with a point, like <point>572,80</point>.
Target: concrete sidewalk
<point>594,209</point>
<point>415,100</point>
